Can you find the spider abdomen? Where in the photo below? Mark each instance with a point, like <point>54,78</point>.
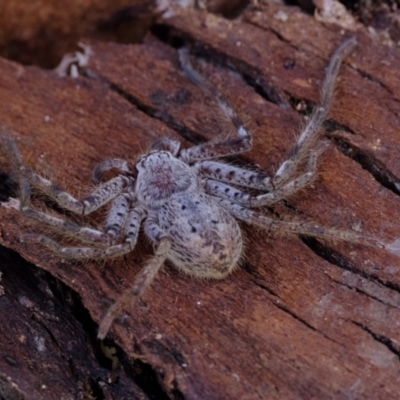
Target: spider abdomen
<point>206,239</point>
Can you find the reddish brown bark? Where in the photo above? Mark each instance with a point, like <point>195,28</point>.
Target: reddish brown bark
<point>299,319</point>
<point>42,31</point>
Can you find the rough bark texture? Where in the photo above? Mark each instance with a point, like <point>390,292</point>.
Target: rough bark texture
<point>42,31</point>
<point>300,318</point>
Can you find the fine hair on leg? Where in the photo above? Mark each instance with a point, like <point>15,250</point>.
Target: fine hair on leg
<point>143,280</point>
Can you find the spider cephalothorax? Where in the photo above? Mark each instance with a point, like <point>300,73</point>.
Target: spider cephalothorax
<point>187,200</point>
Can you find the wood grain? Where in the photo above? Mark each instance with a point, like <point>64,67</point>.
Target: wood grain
<point>299,319</point>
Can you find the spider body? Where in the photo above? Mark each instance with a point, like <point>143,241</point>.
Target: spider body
<point>206,239</point>
<point>160,175</point>
<point>187,199</point>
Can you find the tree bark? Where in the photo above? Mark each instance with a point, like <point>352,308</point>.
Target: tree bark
<point>300,318</point>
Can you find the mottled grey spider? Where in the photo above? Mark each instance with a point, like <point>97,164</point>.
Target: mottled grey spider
<point>187,203</point>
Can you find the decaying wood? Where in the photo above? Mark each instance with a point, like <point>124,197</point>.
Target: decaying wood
<point>299,319</point>
<point>44,31</point>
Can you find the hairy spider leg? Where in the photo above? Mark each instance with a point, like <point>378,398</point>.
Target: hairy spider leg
<point>130,239</point>
<point>143,280</point>
<point>233,175</point>
<point>301,228</point>
<point>209,150</point>
<point>312,130</point>
<point>225,191</point>
<point>14,156</point>
<point>107,165</point>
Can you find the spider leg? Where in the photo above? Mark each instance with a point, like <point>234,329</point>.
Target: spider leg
<point>240,197</point>
<point>225,191</point>
<point>100,196</point>
<point>233,175</point>
<point>118,215</point>
<point>77,252</point>
<point>14,156</point>
<point>167,144</point>
<point>107,165</point>
<point>84,233</point>
<point>211,150</point>
<point>143,281</point>
<point>131,231</point>
<point>312,130</point>
<point>124,214</point>
<point>300,228</point>
<point>152,229</point>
